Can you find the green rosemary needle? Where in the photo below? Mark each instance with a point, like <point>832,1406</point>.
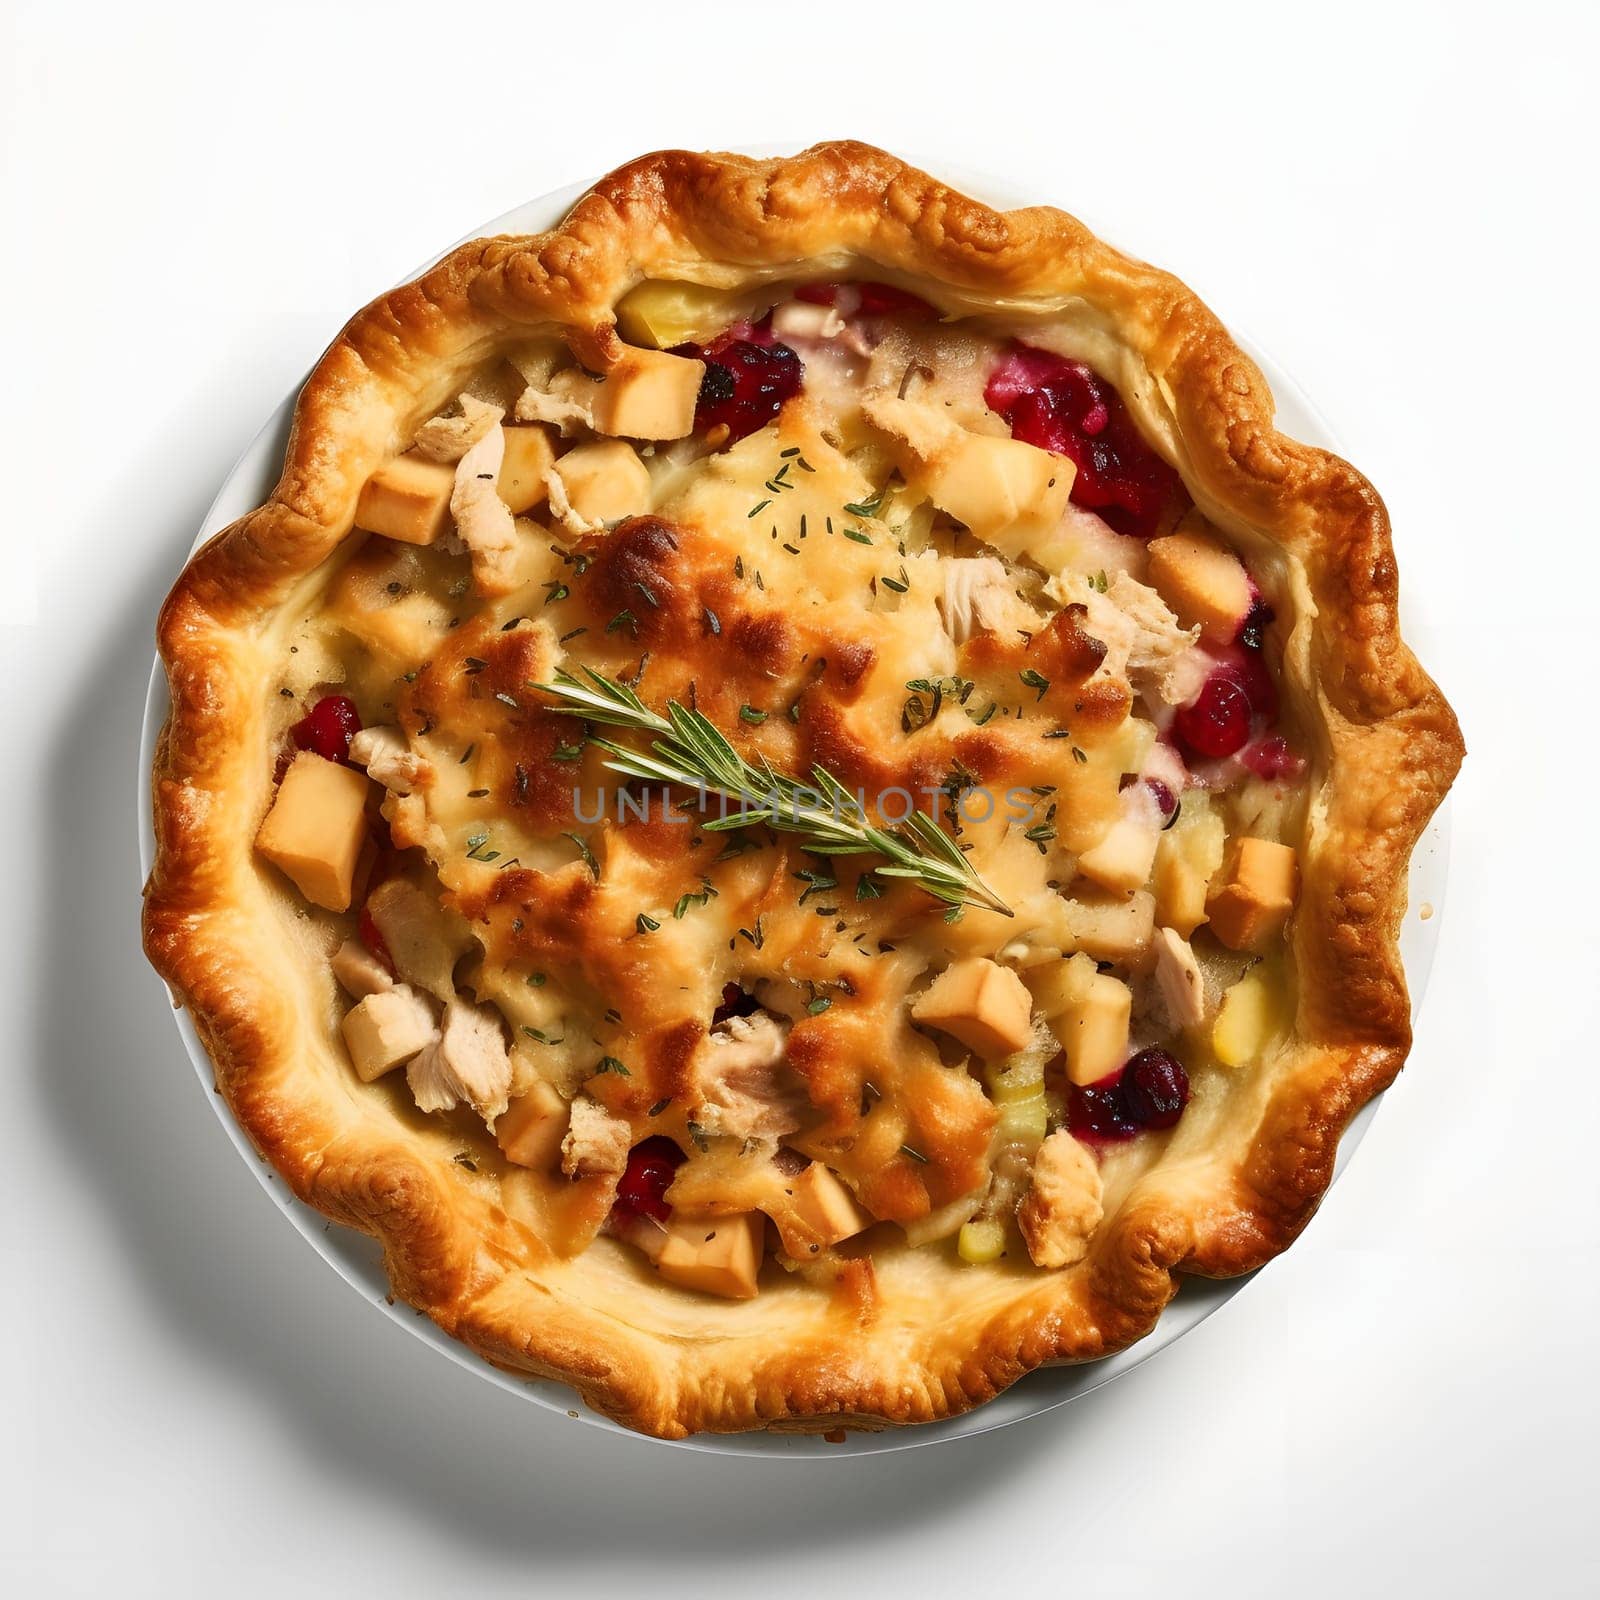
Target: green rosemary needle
<point>687,749</point>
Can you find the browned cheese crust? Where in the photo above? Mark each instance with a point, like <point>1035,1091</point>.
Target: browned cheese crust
<point>917,1335</point>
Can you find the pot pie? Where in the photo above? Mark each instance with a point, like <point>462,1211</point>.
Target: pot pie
<point>795,799</point>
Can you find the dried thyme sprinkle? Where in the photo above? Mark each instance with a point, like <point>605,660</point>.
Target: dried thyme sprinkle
<point>611,1064</point>
<point>1035,680</point>
<point>584,851</point>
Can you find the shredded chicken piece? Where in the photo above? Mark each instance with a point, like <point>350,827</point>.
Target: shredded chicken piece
<point>482,518</point>
<point>596,1143</point>
<point>537,404</point>
<point>924,429</point>
<point>1062,1207</point>
<point>359,971</point>
<point>979,594</point>
<point>1183,990</point>
<point>449,438</point>
<point>561,507</point>
<point>1144,642</point>
<point>799,319</point>
<point>744,1089</point>
<point>383,751</point>
<point>468,1063</point>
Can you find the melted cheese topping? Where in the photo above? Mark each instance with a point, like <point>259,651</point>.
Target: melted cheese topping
<point>806,592</point>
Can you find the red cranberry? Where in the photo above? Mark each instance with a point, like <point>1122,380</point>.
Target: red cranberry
<point>748,376</point>
<point>868,300</point>
<point>735,1003</point>
<point>1155,1088</point>
<point>368,933</point>
<point>1162,796</point>
<point>1253,630</point>
<point>1217,722</point>
<point>642,1188</point>
<point>327,729</point>
<point>1098,1113</point>
<point>1063,406</point>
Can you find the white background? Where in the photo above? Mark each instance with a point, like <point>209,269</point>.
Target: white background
<point>1397,202</point>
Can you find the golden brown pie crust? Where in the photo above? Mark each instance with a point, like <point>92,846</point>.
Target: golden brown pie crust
<point>933,1337</point>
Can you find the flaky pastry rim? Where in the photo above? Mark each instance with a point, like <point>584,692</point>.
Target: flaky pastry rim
<point>1391,747</point>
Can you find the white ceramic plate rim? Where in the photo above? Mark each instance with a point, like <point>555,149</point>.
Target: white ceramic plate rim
<point>356,1257</point>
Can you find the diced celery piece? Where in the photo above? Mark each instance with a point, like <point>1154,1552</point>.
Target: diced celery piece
<point>1025,1120</point>
<point>658,314</point>
<point>1246,1020</point>
<point>981,1240</point>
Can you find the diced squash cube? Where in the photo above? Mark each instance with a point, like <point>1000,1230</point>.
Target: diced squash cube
<point>1253,903</point>
<point>1249,1016</point>
<point>1204,582</point>
<point>387,1028</point>
<point>1123,858</point>
<point>316,828</point>
<point>647,395</point>
<point>530,1130</point>
<point>1092,1026</point>
<point>980,1003</point>
<point>716,1255</point>
<point>1188,856</point>
<point>660,314</point>
<point>359,971</point>
<point>528,458</point>
<point>604,480</point>
<point>997,485</point>
<point>815,1210</point>
<point>1110,929</point>
<point>407,499</point>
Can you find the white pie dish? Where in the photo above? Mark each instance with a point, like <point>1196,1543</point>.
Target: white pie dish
<point>357,1258</point>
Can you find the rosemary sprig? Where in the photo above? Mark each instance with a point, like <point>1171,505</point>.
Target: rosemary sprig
<point>687,749</point>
